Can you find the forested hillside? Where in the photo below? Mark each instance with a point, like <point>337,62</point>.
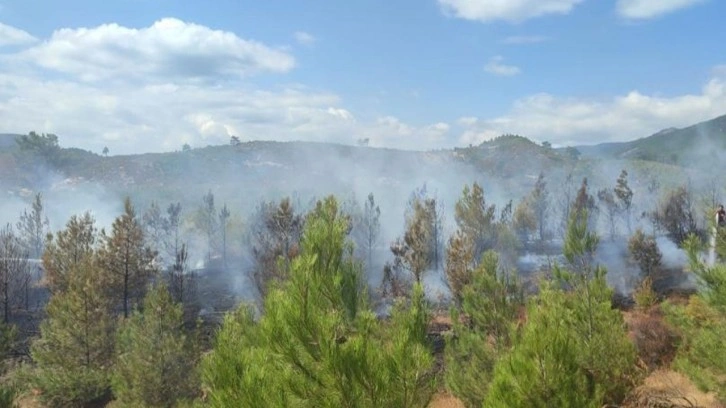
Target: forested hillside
<point>508,274</point>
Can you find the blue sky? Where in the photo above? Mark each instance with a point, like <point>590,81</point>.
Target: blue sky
<point>150,75</point>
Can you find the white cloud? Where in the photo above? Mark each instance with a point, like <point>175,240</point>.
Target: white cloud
<point>569,121</point>
<point>645,9</point>
<point>390,131</point>
<point>304,38</point>
<point>508,10</point>
<point>169,48</point>
<point>467,121</point>
<point>497,66</point>
<point>525,39</point>
<point>14,36</point>
<point>159,109</point>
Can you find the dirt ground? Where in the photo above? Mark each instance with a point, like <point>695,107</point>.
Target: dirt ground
<point>442,400</point>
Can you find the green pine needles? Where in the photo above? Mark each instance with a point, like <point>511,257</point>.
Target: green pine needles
<point>319,344</point>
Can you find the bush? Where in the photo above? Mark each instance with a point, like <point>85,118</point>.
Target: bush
<point>644,296</point>
<point>702,325</point>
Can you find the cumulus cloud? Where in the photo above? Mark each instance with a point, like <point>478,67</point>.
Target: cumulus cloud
<point>645,9</point>
<point>508,10</point>
<point>157,88</point>
<point>570,121</point>
<point>157,117</point>
<point>304,38</point>
<point>170,48</point>
<point>497,66</point>
<point>164,116</point>
<point>162,110</point>
<point>14,36</point>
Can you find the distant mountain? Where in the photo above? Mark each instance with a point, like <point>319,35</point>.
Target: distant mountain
<point>506,166</point>
<point>701,144</point>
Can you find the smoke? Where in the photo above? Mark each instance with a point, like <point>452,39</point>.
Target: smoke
<point>63,197</point>
<point>243,176</point>
<point>622,274</point>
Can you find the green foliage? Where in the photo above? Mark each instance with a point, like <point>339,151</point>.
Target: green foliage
<point>459,264</point>
<point>573,351</point>
<point>543,368</point>
<point>74,353</point>
<point>581,243</point>
<point>644,296</point>
<point>67,248</point>
<point>9,390</point>
<point>155,359</point>
<point>703,325</point>
<point>484,328</point>
<point>475,219</point>
<point>492,300</point>
<point>318,344</point>
<point>43,145</point>
<point>524,220</point>
<point>412,252</point>
<point>126,259</point>
<point>8,394</point>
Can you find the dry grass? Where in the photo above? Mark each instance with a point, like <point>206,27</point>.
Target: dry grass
<point>669,389</point>
<point>654,340</point>
<point>442,400</point>
<point>29,401</point>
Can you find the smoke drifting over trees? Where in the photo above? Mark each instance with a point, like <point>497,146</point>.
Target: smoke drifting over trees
<point>333,296</point>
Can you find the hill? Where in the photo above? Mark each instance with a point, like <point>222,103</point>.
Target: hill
<point>243,174</point>
<point>702,143</point>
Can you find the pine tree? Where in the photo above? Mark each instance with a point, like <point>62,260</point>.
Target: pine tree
<point>644,250</point>
<point>524,221</point>
<point>371,226</point>
<point>482,329</point>
<point>413,251</point>
<point>625,196</point>
<point>155,358</point>
<point>67,248</point>
<point>608,202</point>
<point>74,353</point>
<point>573,350</point>
<point>126,259</point>
<point>475,219</point>
<point>702,325</point>
<point>542,370</point>
<point>274,234</point>
<point>33,228</point>
<point>459,264</point>
<point>318,343</point>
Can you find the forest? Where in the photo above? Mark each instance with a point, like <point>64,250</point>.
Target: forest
<point>567,296</point>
